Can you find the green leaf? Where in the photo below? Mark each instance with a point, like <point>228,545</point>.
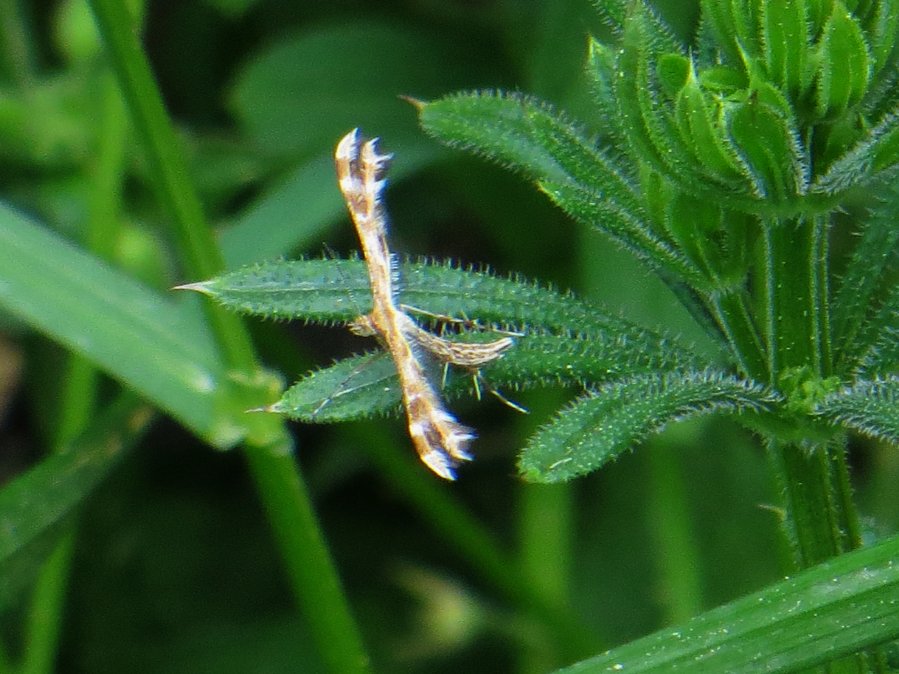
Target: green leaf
<point>149,343</point>
<point>591,209</point>
<point>854,325</point>
<point>649,127</point>
<point>881,30</point>
<point>307,90</point>
<point>698,120</point>
<point>613,12</point>
<point>715,240</point>
<point>529,136</point>
<point>337,291</point>
<point>786,43</point>
<point>869,407</point>
<point>844,66</point>
<point>354,388</point>
<point>600,426</point>
<point>882,356</point>
<point>734,25</point>
<point>368,385</point>
<point>37,502</point>
<point>837,608</point>
<point>875,157</point>
<point>601,74</point>
<point>766,141</point>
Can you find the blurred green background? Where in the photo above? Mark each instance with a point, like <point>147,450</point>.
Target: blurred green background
<point>175,570</point>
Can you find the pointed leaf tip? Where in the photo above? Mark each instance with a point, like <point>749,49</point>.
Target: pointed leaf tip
<point>417,103</point>
<point>199,286</point>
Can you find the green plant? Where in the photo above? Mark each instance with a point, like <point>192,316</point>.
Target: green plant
<point>726,166</point>
<point>752,168</point>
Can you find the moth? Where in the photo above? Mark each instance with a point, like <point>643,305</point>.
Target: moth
<point>440,440</point>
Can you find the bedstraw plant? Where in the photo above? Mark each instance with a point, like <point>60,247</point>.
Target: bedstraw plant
<point>727,166</point>
<point>752,168</point>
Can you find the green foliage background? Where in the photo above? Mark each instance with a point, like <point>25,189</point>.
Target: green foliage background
<point>167,562</point>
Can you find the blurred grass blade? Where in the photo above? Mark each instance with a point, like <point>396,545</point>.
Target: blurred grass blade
<point>37,502</point>
<point>837,608</point>
<point>602,425</point>
<point>146,342</point>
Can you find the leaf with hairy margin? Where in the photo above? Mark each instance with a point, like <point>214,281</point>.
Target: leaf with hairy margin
<point>600,426</point>
<point>337,291</point>
<point>367,385</point>
<point>870,407</point>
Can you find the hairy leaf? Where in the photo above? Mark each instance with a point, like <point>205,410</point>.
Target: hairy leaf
<point>765,139</point>
<point>367,385</point>
<point>734,25</point>
<point>786,45</point>
<point>869,407</point>
<point>843,64</point>
<point>883,356</point>
<point>855,325</point>
<point>594,211</point>
<point>600,426</point>
<point>875,157</point>
<point>881,31</point>
<point>529,136</point>
<point>354,388</point>
<point>337,291</point>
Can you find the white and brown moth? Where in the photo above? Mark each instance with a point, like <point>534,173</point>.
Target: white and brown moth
<point>439,439</point>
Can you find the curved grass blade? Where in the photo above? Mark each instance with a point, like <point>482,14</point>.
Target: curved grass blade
<point>843,606</point>
<point>36,503</point>
<point>149,343</point>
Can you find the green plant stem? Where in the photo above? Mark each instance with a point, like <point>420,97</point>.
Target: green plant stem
<point>276,474</point>
<point>316,583</point>
<point>812,510</point>
<point>733,316</point>
<point>796,264</point>
<point>814,479</point>
<point>194,241</point>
